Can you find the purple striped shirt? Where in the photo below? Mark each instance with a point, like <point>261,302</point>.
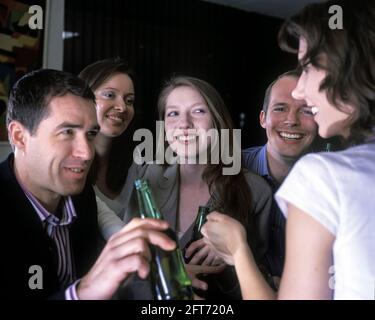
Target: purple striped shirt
<point>58,230</point>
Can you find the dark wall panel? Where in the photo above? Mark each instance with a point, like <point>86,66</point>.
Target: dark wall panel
<point>235,51</point>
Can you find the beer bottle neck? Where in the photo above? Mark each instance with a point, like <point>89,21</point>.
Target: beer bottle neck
<point>147,205</point>
<point>199,221</point>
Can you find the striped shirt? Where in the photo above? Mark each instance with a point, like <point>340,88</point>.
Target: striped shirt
<point>58,230</point>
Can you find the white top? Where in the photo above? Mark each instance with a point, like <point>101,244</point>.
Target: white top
<point>338,190</point>
<point>108,213</point>
<point>116,204</point>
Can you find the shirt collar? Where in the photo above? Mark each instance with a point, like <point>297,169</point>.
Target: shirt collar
<point>67,207</point>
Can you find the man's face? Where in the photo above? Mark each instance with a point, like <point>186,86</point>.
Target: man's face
<point>289,123</point>
<point>58,155</point>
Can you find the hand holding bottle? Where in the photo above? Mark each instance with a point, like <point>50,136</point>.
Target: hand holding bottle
<point>199,253</point>
<point>225,236</point>
<point>169,279</point>
<point>126,252</point>
<point>195,270</point>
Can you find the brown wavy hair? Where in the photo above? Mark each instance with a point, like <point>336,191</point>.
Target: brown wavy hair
<point>231,193</point>
<point>121,154</point>
<point>347,55</point>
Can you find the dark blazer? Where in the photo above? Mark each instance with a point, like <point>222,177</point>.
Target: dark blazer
<point>24,243</point>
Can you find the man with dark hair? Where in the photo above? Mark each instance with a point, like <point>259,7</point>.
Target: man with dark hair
<point>50,230</point>
<point>290,130</point>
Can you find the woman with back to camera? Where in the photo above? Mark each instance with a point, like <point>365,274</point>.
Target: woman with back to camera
<point>328,197</point>
<point>111,80</point>
<point>190,108</point>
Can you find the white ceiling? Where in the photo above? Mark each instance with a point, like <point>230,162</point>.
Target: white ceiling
<point>275,8</point>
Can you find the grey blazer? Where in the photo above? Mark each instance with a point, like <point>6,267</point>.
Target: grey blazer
<point>164,182</point>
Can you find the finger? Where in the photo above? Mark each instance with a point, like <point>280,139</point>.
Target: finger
<point>137,222</point>
<point>193,270</point>
<point>209,259</point>
<point>194,246</point>
<point>102,280</point>
<point>117,271</point>
<point>135,246</point>
<point>222,256</point>
<point>215,216</point>
<point>111,254</point>
<point>199,284</point>
<point>214,269</point>
<point>131,264</point>
<point>200,255</point>
<point>151,235</point>
<point>135,242</point>
<point>190,271</point>
<point>199,269</point>
<point>161,240</point>
<point>217,261</point>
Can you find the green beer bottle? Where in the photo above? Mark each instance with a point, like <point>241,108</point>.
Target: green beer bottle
<point>196,235</point>
<point>169,280</point>
<point>199,222</point>
<point>200,219</point>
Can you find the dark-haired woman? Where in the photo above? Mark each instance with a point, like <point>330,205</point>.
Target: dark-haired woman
<point>328,197</point>
<point>112,83</point>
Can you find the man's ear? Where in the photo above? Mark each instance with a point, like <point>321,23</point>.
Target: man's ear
<point>262,119</point>
<point>18,135</point>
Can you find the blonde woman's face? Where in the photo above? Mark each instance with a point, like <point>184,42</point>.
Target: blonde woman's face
<point>187,120</point>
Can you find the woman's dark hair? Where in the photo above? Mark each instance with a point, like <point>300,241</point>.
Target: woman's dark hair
<point>231,193</point>
<point>347,55</point>
<point>121,154</point>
